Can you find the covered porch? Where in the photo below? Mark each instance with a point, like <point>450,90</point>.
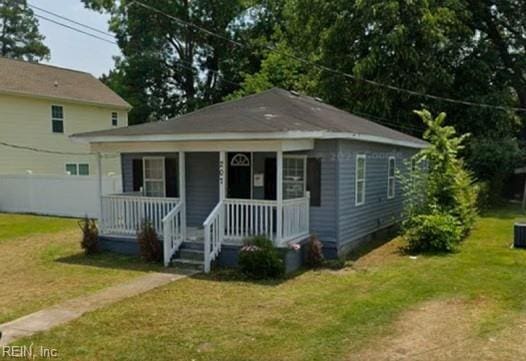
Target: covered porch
<point>212,196</point>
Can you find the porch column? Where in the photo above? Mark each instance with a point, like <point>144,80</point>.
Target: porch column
<point>99,189</point>
<point>182,191</point>
<point>279,197</point>
<point>222,182</point>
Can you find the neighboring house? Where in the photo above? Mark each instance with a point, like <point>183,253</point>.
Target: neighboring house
<point>275,163</point>
<point>40,106</point>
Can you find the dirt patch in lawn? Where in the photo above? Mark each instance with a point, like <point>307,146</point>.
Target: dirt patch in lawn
<point>446,330</point>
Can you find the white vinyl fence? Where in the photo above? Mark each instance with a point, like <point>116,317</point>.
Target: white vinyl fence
<point>70,196</point>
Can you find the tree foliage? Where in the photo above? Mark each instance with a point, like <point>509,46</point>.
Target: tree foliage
<point>19,35</point>
<point>168,68</point>
<point>446,189</point>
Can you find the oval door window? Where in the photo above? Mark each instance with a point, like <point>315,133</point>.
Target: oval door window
<point>240,160</point>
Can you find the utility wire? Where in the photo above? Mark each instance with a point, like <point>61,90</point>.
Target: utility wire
<point>181,63</point>
<point>326,68</point>
<point>71,21</point>
<point>75,29</point>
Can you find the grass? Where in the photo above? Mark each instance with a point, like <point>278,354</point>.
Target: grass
<point>316,315</point>
<point>42,264</point>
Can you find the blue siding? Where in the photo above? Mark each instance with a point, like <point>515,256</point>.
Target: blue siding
<point>202,186</point>
<point>323,219</point>
<point>357,222</point>
<point>202,182</point>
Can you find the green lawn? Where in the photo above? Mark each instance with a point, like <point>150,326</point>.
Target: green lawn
<point>41,264</point>
<point>319,315</point>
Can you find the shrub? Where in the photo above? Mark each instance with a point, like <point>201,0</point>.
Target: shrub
<point>443,188</point>
<point>149,244</point>
<point>334,264</point>
<point>258,259</point>
<point>90,236</point>
<point>314,252</point>
<point>434,233</point>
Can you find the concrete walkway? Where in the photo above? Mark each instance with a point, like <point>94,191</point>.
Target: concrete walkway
<point>69,310</point>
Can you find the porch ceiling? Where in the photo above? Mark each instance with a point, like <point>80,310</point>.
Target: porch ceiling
<point>284,145</point>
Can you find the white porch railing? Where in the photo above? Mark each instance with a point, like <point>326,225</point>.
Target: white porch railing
<point>174,231</point>
<point>122,214</point>
<point>214,227</point>
<point>249,217</point>
<point>295,218</point>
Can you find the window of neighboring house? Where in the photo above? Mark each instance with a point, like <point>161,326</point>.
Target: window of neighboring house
<point>314,181</point>
<point>293,177</point>
<point>154,185</point>
<point>114,119</point>
<point>359,186</point>
<point>81,169</point>
<point>391,179</point>
<point>57,119</point>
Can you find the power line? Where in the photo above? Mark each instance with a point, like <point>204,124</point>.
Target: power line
<point>181,63</point>
<point>326,68</point>
<point>39,150</point>
<point>75,29</point>
<point>71,21</point>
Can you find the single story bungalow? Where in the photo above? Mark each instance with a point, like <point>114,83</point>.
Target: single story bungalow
<point>276,163</point>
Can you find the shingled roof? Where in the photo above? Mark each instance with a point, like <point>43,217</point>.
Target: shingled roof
<point>44,81</point>
<point>275,113</point>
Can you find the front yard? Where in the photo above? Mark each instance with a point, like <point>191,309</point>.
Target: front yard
<point>385,306</point>
<point>42,264</point>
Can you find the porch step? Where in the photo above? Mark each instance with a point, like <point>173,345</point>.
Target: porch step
<point>192,245</point>
<point>192,254</point>
<point>188,264</point>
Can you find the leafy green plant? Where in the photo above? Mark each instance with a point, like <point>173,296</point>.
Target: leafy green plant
<point>313,252</point>
<point>258,259</point>
<point>90,236</point>
<point>149,244</point>
<point>439,184</point>
<point>434,233</point>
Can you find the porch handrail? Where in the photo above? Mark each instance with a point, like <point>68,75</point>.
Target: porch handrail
<point>174,231</point>
<point>214,228</point>
<point>123,214</point>
<point>296,218</point>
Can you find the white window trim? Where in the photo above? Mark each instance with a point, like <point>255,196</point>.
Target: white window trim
<point>356,180</point>
<point>63,119</point>
<point>144,179</point>
<point>77,164</point>
<point>389,177</point>
<point>304,158</point>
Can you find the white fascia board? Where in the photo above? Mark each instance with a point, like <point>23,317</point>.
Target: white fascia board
<point>246,136</point>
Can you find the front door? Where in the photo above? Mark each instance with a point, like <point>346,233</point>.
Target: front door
<point>239,175</point>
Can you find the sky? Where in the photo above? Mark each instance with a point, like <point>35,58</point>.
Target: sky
<point>70,49</point>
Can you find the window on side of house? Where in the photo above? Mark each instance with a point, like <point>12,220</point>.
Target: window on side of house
<point>114,119</point>
<point>154,185</point>
<point>314,181</point>
<point>294,169</point>
<point>57,119</point>
<point>391,178</point>
<point>359,186</point>
<point>72,169</point>
<point>81,169</point>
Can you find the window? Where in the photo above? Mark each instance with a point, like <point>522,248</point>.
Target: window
<point>154,177</point>
<point>359,187</point>
<point>293,177</point>
<point>77,169</point>
<point>114,119</point>
<point>391,180</point>
<point>314,181</point>
<point>57,119</point>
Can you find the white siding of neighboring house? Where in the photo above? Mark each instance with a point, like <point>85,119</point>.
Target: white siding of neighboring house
<point>27,121</point>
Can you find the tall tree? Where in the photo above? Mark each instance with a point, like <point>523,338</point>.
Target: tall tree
<point>19,35</point>
<point>168,67</point>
